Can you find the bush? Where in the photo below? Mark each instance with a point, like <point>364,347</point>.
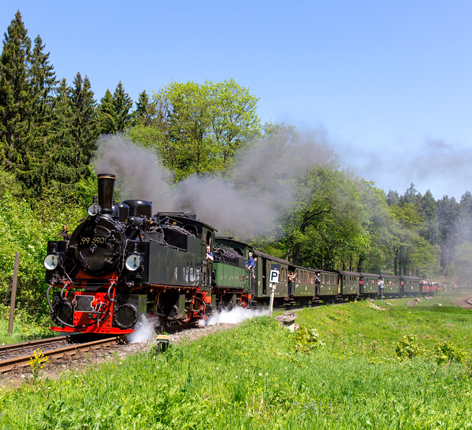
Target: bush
<point>408,347</point>
<point>446,352</point>
<point>306,340</point>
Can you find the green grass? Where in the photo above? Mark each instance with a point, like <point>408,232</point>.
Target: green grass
<point>24,327</point>
<point>356,381</point>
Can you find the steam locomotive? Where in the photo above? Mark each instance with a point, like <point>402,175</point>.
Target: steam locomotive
<point>122,262</point>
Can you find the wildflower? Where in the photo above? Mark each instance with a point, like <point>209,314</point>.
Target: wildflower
<point>267,374</point>
<point>246,370</point>
<point>260,374</point>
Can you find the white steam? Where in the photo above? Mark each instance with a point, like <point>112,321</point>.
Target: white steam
<point>143,331</point>
<point>234,316</point>
<point>248,199</point>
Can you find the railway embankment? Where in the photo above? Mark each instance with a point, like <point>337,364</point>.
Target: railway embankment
<point>360,365</point>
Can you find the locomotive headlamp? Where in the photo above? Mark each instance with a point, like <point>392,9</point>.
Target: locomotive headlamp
<point>94,209</point>
<point>51,261</point>
<point>133,262</point>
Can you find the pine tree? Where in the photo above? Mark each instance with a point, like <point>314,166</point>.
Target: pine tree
<point>122,104</point>
<point>43,82</point>
<point>85,124</point>
<point>145,111</point>
<point>15,97</point>
<point>107,114</point>
<point>63,173</point>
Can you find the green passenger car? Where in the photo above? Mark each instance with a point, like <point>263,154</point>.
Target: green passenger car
<point>371,284</point>
<point>391,285</point>
<point>264,265</point>
<point>411,285</point>
<point>350,284</point>
<point>329,284</point>
<point>304,282</point>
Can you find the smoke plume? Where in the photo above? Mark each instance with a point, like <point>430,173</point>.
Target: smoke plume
<point>442,167</point>
<point>247,199</point>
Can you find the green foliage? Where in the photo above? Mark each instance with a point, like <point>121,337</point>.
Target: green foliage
<point>447,352</point>
<point>114,111</point>
<point>306,340</point>
<point>408,347</point>
<point>197,128</point>
<point>15,97</point>
<point>27,231</point>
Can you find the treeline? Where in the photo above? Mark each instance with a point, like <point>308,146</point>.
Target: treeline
<point>348,223</point>
<point>48,137</point>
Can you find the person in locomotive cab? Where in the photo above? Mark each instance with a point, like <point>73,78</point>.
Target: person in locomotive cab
<point>250,262</point>
<point>209,254</point>
<point>253,267</point>
<point>64,233</point>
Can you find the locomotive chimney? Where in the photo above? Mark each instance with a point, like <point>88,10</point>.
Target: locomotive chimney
<point>106,184</point>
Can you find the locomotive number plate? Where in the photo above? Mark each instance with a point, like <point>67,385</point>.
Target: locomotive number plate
<point>99,240</point>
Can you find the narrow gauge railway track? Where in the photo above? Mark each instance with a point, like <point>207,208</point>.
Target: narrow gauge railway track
<point>16,349</point>
<point>23,360</point>
<point>18,355</point>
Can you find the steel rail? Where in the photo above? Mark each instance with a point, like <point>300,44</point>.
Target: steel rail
<point>23,361</point>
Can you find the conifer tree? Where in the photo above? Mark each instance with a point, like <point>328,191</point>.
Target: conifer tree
<point>122,104</point>
<point>15,96</point>
<point>43,82</point>
<point>63,173</point>
<point>145,112</point>
<point>107,114</point>
<point>85,125</point>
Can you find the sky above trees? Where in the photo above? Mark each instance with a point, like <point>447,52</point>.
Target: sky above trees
<point>385,83</point>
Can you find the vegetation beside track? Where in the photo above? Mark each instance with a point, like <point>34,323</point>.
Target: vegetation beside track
<point>261,376</point>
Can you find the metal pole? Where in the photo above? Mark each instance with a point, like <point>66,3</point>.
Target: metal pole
<point>13,292</point>
<point>271,306</point>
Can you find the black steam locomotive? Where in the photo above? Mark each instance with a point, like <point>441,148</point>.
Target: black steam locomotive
<point>123,262</point>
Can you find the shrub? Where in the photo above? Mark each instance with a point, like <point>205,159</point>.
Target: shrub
<point>408,347</point>
<point>446,352</point>
<point>306,340</point>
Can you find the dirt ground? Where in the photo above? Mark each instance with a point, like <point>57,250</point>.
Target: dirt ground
<point>80,361</point>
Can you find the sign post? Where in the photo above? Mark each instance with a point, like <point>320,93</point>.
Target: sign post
<point>274,279</point>
<point>13,293</point>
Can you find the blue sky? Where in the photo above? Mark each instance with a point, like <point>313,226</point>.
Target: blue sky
<point>388,83</point>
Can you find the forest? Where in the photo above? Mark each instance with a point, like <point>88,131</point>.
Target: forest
<point>49,134</point>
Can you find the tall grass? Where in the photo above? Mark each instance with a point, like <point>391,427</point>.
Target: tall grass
<point>253,377</point>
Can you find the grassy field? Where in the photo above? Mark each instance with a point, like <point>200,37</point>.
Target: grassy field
<point>24,328</point>
<point>364,367</point>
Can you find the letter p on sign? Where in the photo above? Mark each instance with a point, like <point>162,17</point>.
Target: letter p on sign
<point>274,276</point>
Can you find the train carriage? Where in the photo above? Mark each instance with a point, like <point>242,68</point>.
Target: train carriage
<point>392,286</point>
<point>266,263</point>
<point>350,284</point>
<point>411,285</point>
<point>304,282</point>
<point>370,288</point>
<point>329,287</point>
<point>232,281</point>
